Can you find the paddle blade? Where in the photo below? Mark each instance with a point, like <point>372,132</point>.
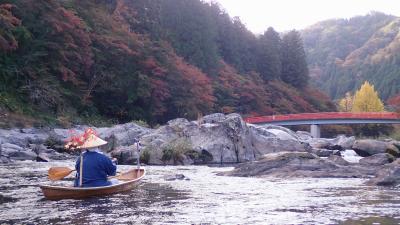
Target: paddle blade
<point>58,173</point>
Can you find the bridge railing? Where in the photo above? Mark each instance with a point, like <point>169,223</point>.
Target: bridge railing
<point>323,115</point>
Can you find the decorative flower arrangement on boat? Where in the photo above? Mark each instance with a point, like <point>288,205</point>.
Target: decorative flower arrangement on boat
<point>88,139</point>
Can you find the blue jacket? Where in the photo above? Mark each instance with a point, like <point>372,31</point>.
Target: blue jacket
<point>96,168</point>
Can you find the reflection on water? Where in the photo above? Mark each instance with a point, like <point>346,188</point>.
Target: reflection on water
<point>202,198</point>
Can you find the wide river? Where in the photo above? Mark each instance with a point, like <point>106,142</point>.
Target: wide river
<point>201,197</point>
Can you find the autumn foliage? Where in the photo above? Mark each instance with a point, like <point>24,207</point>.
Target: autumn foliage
<point>119,60</point>
<point>394,103</point>
<point>8,23</point>
<point>366,99</point>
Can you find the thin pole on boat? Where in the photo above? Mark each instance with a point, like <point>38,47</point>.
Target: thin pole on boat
<point>80,170</point>
<point>138,159</point>
<point>138,152</point>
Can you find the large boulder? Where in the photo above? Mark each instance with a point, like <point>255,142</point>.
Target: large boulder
<point>270,139</point>
<point>369,147</point>
<point>377,159</point>
<point>304,136</point>
<point>7,148</point>
<point>324,152</point>
<point>46,154</point>
<point>344,142</point>
<point>23,137</point>
<point>388,176</point>
<point>3,158</point>
<point>37,152</point>
<point>338,160</point>
<point>213,118</point>
<point>219,138</point>
<point>393,149</point>
<point>299,164</point>
<point>122,134</point>
<point>16,152</point>
<point>339,143</point>
<point>279,130</point>
<point>155,142</point>
<point>125,154</point>
<point>320,143</point>
<point>228,140</point>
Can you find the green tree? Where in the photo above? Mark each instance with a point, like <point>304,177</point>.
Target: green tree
<point>366,99</point>
<point>269,63</point>
<point>191,32</point>
<point>294,65</point>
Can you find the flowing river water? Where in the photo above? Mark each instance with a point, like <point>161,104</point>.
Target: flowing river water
<point>201,197</point>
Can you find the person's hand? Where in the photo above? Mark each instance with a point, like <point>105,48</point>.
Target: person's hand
<point>114,160</point>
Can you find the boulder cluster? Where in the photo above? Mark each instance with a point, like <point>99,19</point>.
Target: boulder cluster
<point>222,139</point>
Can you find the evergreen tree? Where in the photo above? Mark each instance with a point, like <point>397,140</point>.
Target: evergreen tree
<point>367,100</point>
<point>191,32</point>
<point>269,55</point>
<point>236,43</point>
<point>294,65</point>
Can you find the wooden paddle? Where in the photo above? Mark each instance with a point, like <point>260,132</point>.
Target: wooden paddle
<point>58,173</point>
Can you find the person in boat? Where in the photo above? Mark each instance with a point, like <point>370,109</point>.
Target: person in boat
<point>96,166</point>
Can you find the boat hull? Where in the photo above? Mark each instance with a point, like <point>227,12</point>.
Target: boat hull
<point>59,192</point>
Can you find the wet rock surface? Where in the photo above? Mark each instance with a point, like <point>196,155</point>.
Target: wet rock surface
<point>389,175</point>
<point>300,164</point>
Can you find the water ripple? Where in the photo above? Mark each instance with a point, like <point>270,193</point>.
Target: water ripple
<point>203,198</point>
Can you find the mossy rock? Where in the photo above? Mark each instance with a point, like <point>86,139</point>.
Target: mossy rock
<point>393,150</point>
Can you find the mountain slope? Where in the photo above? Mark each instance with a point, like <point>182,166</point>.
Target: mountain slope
<point>342,54</point>
<point>125,60</point>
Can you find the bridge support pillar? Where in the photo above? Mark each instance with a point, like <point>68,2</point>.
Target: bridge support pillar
<point>315,131</point>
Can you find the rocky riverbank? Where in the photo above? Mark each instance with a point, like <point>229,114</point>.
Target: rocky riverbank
<point>220,139</point>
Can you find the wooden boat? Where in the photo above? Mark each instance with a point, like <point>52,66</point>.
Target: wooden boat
<point>127,181</point>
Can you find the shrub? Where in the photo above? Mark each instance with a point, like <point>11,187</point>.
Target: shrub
<point>141,123</point>
<point>145,156</point>
<point>177,150</point>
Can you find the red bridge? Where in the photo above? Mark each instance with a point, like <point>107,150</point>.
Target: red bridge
<point>316,119</point>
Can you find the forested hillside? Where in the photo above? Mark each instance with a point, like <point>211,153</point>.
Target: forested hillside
<point>149,60</point>
<point>342,54</point>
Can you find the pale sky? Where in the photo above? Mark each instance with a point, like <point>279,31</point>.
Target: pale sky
<point>285,15</point>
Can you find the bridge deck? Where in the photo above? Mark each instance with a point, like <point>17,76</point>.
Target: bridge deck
<point>327,118</point>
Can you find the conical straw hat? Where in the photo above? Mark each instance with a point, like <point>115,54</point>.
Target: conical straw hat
<point>85,141</point>
<point>92,141</point>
